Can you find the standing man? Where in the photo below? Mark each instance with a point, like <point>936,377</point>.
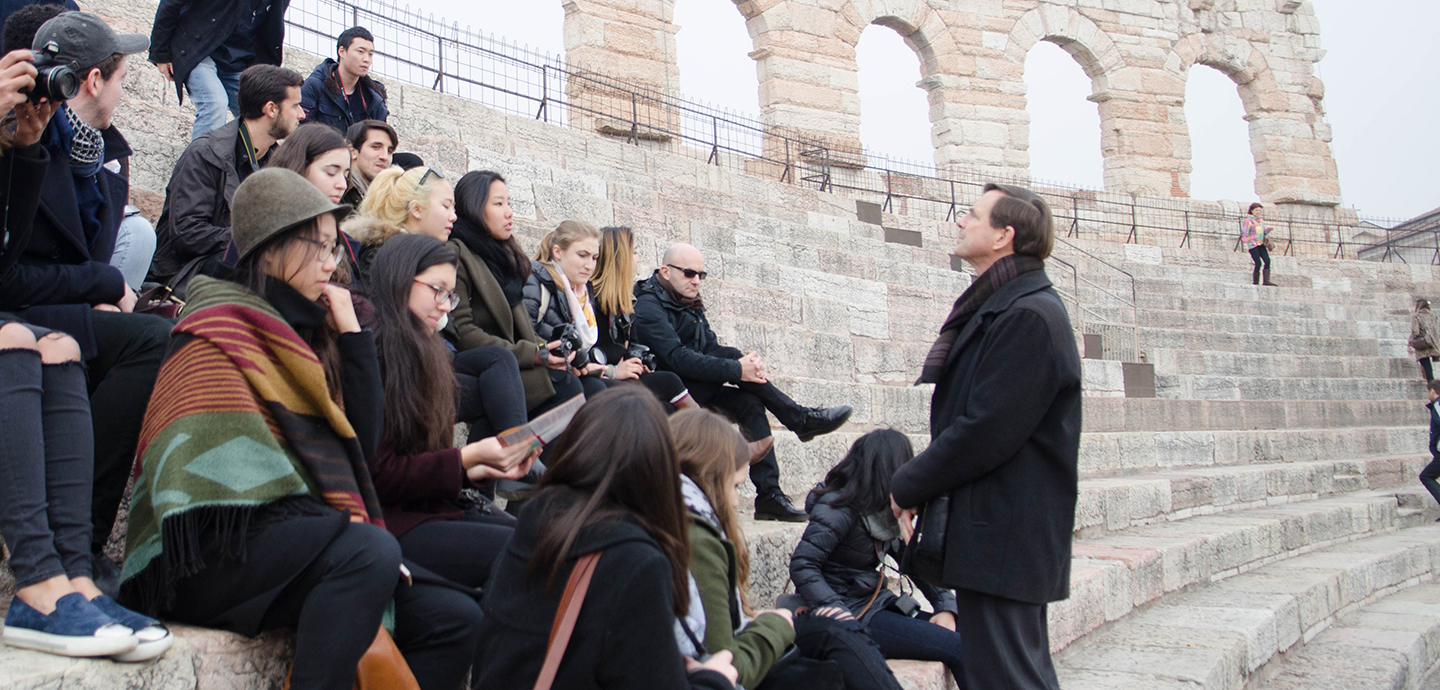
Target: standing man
<point>204,46</point>
<point>195,221</point>
<point>372,147</point>
<point>670,319</point>
<point>340,92</point>
<point>1432,470</point>
<point>1004,443</point>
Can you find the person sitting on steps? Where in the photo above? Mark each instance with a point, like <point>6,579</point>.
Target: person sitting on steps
<point>670,319</point>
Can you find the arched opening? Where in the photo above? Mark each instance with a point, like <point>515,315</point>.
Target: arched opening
<point>713,56</point>
<point>1064,126</point>
<point>1223,166</point>
<point>894,112</point>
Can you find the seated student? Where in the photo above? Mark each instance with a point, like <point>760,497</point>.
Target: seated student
<point>372,144</point>
<point>415,201</point>
<point>613,489</point>
<point>713,461</point>
<point>47,457</point>
<point>418,472</point>
<point>491,285</point>
<point>340,93</point>
<point>560,283</point>
<point>254,508</point>
<point>195,220</point>
<point>837,567</point>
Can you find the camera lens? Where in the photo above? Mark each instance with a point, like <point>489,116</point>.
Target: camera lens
<point>59,83</point>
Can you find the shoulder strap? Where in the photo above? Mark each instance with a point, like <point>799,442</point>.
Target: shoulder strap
<point>565,618</point>
<point>878,583</point>
<point>544,304</point>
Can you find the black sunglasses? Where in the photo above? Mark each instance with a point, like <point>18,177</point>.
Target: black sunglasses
<point>426,176</point>
<point>689,272</point>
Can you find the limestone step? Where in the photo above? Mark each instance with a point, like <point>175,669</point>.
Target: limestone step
<point>1220,634</point>
<point>1271,325</point>
<point>1252,303</point>
<point>1224,363</point>
<point>1206,387</point>
<point>1392,644</point>
<point>1164,415</point>
<point>1112,453</point>
<point>1185,339</point>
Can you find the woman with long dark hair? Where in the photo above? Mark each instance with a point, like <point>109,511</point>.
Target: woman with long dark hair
<point>254,508</point>
<point>838,567</point>
<point>612,488</point>
<point>491,286</point>
<point>419,475</point>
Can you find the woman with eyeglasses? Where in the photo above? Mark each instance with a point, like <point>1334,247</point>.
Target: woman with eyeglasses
<point>417,201</point>
<point>491,285</point>
<point>419,474</point>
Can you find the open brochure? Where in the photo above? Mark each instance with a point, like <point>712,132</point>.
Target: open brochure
<point>545,428</point>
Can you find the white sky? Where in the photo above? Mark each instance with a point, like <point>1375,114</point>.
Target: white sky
<point>1382,77</point>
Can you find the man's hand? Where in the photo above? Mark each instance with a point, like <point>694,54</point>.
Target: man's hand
<point>906,518</point>
<point>751,369</point>
<point>30,121</point>
<point>167,70</point>
<point>17,76</point>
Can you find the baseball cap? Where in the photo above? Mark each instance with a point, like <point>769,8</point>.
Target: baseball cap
<point>85,40</point>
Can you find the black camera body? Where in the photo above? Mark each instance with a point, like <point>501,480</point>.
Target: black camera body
<point>55,80</point>
<point>641,352</point>
<point>570,341</point>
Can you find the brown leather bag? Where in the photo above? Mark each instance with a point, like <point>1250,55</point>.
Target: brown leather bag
<point>381,668</point>
<point>565,617</point>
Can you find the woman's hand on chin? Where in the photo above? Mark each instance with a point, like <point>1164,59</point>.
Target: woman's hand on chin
<point>342,310</point>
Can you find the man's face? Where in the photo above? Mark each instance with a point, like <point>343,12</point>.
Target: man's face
<point>355,60</point>
<point>1433,394</point>
<point>289,114</point>
<point>977,238</point>
<point>674,274</point>
<point>374,155</point>
<point>107,94</point>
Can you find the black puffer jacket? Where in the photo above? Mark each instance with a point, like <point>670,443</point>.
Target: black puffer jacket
<point>557,305</point>
<point>837,562</point>
<point>681,337</point>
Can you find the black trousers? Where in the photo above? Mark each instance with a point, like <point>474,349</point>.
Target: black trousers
<point>1260,255</point>
<point>1428,368</point>
<point>131,349</point>
<point>848,645</point>
<point>335,602</point>
<point>566,385</point>
<point>492,396</point>
<point>1006,643</point>
<point>745,404</point>
<point>666,386</point>
<point>1429,475</point>
<point>459,550</point>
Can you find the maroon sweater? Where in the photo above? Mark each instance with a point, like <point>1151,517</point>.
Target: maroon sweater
<point>417,488</point>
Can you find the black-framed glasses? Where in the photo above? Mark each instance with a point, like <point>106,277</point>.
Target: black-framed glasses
<point>328,250</point>
<point>689,272</point>
<point>442,295</point>
<point>428,173</point>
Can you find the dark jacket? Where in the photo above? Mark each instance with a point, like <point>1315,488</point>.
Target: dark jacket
<point>418,487</point>
<point>681,337</point>
<point>614,334</point>
<point>624,637</point>
<point>195,220</point>
<point>484,317</point>
<point>186,32</point>
<point>1005,443</point>
<point>1434,430</point>
<point>60,273</point>
<point>557,308</point>
<point>323,98</point>
<point>837,563</point>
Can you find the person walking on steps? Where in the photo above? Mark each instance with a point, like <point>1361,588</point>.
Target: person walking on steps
<point>1432,470</point>
<point>1424,330</point>
<point>1255,235</point>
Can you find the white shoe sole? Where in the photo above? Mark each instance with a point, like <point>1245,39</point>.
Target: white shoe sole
<point>146,651</point>
<point>68,645</point>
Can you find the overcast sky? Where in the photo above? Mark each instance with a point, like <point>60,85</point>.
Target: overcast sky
<point>1381,72</point>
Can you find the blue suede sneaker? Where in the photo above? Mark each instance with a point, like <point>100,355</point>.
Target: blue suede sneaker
<point>75,628</point>
<point>155,639</point>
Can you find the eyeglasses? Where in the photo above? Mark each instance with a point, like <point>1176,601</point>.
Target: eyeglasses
<point>328,250</point>
<point>689,273</point>
<point>426,176</point>
<point>442,295</point>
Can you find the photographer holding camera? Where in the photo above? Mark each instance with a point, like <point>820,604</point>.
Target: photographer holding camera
<point>66,282</point>
<point>558,299</point>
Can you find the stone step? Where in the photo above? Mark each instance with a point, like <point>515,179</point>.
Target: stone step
<point>1270,325</point>
<point>1224,363</point>
<point>1163,415</point>
<point>1392,644</point>
<point>1250,302</point>
<point>1217,635</point>
<point>1111,453</point>
<point>1185,339</point>
<point>1207,387</point>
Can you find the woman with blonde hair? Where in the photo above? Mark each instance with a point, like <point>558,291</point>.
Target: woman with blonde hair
<point>417,201</point>
<point>558,295</point>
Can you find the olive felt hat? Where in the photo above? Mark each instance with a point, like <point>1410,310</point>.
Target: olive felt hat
<point>272,201</point>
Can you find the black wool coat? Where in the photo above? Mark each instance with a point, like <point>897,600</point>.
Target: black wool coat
<point>1005,444</point>
<point>681,337</point>
<point>195,220</point>
<point>185,32</point>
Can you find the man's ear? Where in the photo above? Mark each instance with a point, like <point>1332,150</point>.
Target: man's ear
<point>272,109</point>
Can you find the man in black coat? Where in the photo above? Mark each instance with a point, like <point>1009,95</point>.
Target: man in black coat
<point>670,319</point>
<point>204,46</point>
<point>340,92</point>
<point>1005,443</point>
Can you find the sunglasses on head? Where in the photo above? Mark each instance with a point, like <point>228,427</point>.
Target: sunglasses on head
<point>428,173</point>
<point>689,272</point>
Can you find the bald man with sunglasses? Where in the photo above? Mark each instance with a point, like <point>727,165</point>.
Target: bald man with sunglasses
<point>670,319</point>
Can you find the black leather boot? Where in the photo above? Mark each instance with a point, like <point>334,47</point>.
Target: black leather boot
<point>822,420</point>
<point>777,506</point>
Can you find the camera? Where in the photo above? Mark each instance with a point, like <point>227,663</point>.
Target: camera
<point>642,353</point>
<point>55,80</point>
<point>570,341</point>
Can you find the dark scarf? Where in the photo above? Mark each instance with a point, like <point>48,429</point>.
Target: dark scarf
<point>696,303</point>
<point>968,304</point>
<point>495,255</point>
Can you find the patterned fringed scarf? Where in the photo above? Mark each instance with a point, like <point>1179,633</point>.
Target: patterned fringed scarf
<point>240,417</point>
<point>968,304</point>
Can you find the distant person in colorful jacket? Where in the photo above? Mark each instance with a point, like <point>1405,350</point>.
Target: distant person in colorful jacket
<point>1254,234</point>
<point>1424,332</point>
